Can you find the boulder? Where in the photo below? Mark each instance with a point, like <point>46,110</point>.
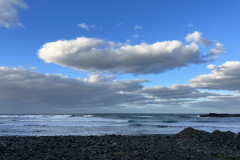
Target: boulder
<point>191,133</point>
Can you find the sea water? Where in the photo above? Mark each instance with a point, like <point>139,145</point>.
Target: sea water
<point>119,124</point>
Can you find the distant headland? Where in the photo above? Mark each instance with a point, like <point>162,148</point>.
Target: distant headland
<point>220,115</point>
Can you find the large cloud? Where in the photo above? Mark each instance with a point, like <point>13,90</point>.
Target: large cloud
<point>223,77</point>
<point>8,12</point>
<point>25,91</point>
<point>90,54</point>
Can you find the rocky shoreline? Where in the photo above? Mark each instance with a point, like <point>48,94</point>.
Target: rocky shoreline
<point>189,144</point>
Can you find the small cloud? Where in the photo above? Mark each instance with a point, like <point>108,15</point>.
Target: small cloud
<point>21,67</point>
<point>190,25</point>
<point>219,48</point>
<point>137,27</point>
<point>128,41</point>
<point>83,26</point>
<point>211,66</point>
<point>197,37</point>
<point>136,36</point>
<point>87,27</point>
<point>119,24</point>
<point>33,68</point>
<point>93,26</point>
<point>20,25</point>
<point>9,12</point>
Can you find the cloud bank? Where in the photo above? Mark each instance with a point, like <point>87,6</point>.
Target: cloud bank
<point>8,12</point>
<point>23,91</point>
<point>26,91</point>
<point>97,55</point>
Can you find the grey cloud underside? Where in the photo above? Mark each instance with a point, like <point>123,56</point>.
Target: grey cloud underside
<point>219,104</point>
<point>223,77</point>
<point>25,90</point>
<point>219,48</point>
<point>97,55</point>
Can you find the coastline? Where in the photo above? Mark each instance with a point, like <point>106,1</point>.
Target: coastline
<point>187,144</point>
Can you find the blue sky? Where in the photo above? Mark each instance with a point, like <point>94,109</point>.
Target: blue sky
<point>121,37</point>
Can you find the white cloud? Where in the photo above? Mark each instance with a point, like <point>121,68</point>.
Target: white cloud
<point>211,66</point>
<point>119,24</point>
<point>8,12</point>
<point>97,55</point>
<point>219,48</point>
<point>197,37</point>
<point>190,25</point>
<point>223,77</point>
<point>83,26</point>
<point>137,27</point>
<point>136,36</point>
<point>33,68</point>
<point>87,27</point>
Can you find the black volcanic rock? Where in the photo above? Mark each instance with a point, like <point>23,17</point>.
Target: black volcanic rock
<point>191,133</point>
<point>2,146</point>
<point>187,144</point>
<point>220,115</point>
<point>223,138</point>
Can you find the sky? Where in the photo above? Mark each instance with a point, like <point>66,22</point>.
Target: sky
<point>139,56</point>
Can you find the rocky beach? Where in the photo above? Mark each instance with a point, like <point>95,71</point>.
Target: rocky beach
<point>189,144</point>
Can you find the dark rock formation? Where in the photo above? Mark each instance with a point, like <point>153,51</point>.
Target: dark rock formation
<point>220,115</point>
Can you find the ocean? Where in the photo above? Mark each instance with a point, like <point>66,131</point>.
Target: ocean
<point>119,124</point>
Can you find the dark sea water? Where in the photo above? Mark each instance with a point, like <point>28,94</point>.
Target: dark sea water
<point>121,124</point>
